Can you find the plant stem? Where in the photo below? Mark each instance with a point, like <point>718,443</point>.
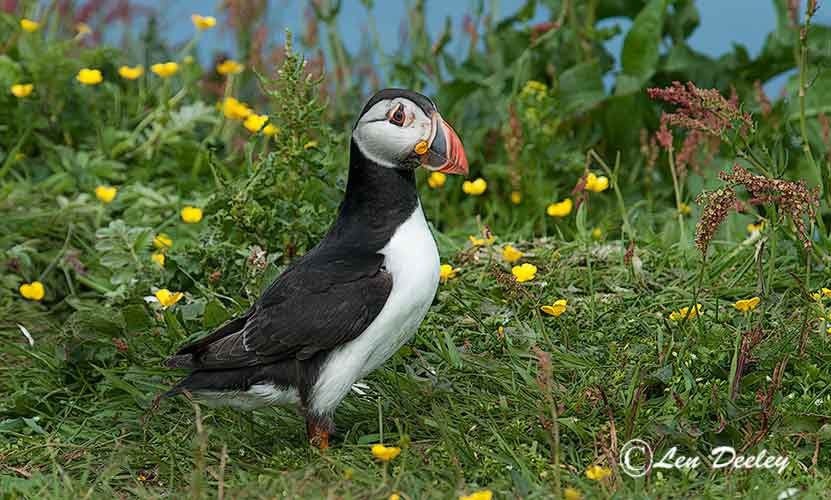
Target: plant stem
<point>772,238</point>
<point>676,186</point>
<point>613,175</point>
<point>803,127</point>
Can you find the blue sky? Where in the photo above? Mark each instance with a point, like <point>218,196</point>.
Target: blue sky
<point>723,22</point>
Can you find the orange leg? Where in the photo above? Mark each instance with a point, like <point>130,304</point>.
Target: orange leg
<point>318,436</point>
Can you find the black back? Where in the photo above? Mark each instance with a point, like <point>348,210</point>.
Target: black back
<point>324,298</point>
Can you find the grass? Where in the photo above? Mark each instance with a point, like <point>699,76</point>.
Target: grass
<point>463,400</point>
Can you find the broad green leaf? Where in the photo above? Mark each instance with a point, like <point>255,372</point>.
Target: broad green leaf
<point>10,72</point>
<point>215,314</point>
<point>581,87</point>
<point>640,53</point>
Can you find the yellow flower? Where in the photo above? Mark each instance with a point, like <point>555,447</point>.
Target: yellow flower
<point>89,76</point>
<point>753,228</point>
<point>478,242</point>
<point>516,197</point>
<point>270,130</point>
<point>131,73</point>
<point>560,209</point>
<point>310,145</point>
<point>191,215</point>
<point>394,496</point>
<point>158,258</point>
<point>162,241</point>
<point>436,180</point>
<point>167,299</point>
<point>683,313</point>
<point>229,67</point>
<point>816,296</point>
<point>826,291</point>
<point>478,495</point>
<point>255,122</point>
<point>385,453</point>
<point>235,109</point>
<point>83,29</point>
<point>555,309</point>
<point>32,291</point>
<point>571,494</point>
<point>534,88</point>
<point>106,194</point>
<point>596,184</point>
<point>511,254</point>
<point>596,472</point>
<point>29,25</point>
<point>474,188</point>
<point>746,305</point>
<point>597,233</point>
<point>525,272</point>
<point>22,90</point>
<point>165,70</point>
<point>446,271</point>
<point>684,209</point>
<point>203,22</point>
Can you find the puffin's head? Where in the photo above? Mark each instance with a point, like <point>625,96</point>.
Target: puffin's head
<point>403,129</point>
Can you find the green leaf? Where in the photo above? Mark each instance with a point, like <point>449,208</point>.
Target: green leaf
<point>117,381</point>
<point>817,97</point>
<point>640,53</point>
<point>215,314</point>
<point>10,72</point>
<point>618,8</point>
<point>136,318</point>
<point>451,351</point>
<point>193,310</point>
<point>174,327</point>
<point>581,87</point>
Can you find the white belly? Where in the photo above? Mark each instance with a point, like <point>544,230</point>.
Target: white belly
<point>258,395</point>
<point>413,260</point>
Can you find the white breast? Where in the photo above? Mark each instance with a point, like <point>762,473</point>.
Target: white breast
<point>413,260</point>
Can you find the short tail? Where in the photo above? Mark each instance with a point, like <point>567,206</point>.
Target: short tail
<point>178,361</point>
<point>175,391</point>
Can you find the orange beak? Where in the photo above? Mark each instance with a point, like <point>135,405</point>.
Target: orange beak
<point>446,153</point>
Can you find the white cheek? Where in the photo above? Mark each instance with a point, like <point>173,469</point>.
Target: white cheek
<point>387,144</point>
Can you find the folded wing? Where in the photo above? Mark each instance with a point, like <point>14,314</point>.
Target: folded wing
<point>318,304</point>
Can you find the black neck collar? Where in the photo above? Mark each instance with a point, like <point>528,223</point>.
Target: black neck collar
<point>378,200</point>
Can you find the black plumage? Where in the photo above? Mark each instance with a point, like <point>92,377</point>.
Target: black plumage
<point>323,300</point>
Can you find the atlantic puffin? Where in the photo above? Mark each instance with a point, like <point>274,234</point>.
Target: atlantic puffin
<point>341,310</point>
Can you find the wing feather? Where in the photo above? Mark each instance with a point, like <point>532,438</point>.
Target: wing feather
<point>316,305</point>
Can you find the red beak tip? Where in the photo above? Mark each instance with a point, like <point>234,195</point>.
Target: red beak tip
<point>457,162</point>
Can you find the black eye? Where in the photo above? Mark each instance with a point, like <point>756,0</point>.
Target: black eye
<point>398,117</point>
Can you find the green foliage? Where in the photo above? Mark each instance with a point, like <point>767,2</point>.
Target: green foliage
<point>641,54</point>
